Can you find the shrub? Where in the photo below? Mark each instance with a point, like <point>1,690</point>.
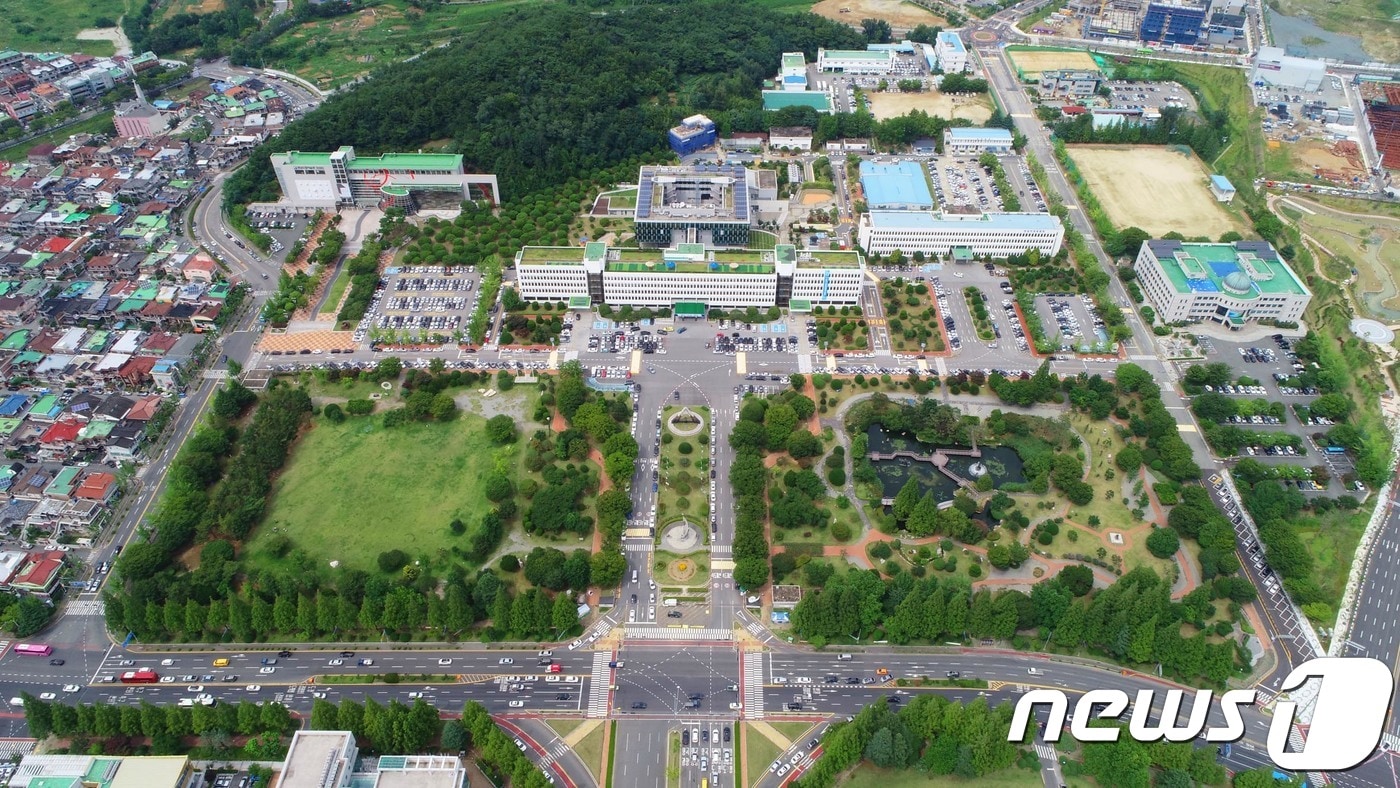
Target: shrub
<point>840,532</point>
<point>509,563</point>
<point>392,560</point>
<point>881,550</point>
<point>685,448</point>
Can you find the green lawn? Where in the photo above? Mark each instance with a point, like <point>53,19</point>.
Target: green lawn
<point>336,290</point>
<point>867,776</point>
<point>590,749</point>
<point>792,730</point>
<point>98,124</point>
<point>685,477</point>
<point>50,25</point>
<point>354,490</point>
<point>1332,540</point>
<point>563,727</point>
<point>761,753</point>
<point>331,51</point>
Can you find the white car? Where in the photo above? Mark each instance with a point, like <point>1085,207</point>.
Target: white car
<point>196,688</point>
<point>253,688</point>
<point>71,688</point>
<point>444,662</point>
<point>335,663</point>
<point>167,679</point>
<point>516,704</point>
<point>47,696</point>
<point>552,679</point>
<point>318,694</point>
<point>546,654</point>
<point>267,671</point>
<point>506,661</point>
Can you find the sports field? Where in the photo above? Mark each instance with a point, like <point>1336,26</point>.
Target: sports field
<point>353,490</point>
<point>900,15</point>
<point>1154,188</point>
<point>1030,62</point>
<point>893,105</point>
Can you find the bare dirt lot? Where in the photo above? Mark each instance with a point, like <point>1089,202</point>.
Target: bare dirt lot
<point>1032,62</point>
<point>900,15</point>
<point>1154,188</point>
<point>815,196</point>
<point>892,105</point>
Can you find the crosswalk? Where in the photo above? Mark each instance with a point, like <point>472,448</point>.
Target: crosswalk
<point>653,632</point>
<point>84,607</point>
<point>637,547</point>
<point>4,647</point>
<point>598,687</point>
<point>1045,752</point>
<point>559,751</point>
<point>753,685</point>
<point>9,748</point>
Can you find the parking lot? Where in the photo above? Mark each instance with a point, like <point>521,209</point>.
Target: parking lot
<point>1074,320</point>
<point>960,181</point>
<point>1127,94</point>
<point>420,304</point>
<point>706,750</point>
<point>735,337</point>
<point>1018,175</point>
<point>283,225</point>
<point>609,337</point>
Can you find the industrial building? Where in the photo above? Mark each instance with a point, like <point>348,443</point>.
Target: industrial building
<point>1272,66</point>
<point>1076,84</point>
<point>1231,284</point>
<point>705,204</point>
<point>1175,23</point>
<point>856,61</point>
<point>895,187</point>
<point>976,140</point>
<point>951,53</point>
<point>327,759</point>
<point>404,180</point>
<point>695,133</point>
<point>987,234</point>
<point>689,274</point>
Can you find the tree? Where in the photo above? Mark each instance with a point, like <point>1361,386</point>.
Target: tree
<point>565,613</point>
<point>501,429</point>
<point>1163,542</point>
<point>802,444</point>
<point>608,567</point>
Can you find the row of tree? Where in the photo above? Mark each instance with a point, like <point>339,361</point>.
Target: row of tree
<point>166,725</point>
<point>1133,621</point>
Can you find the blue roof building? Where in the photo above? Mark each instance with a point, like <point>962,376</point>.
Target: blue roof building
<point>1173,23</point>
<point>695,133</point>
<point>900,186</point>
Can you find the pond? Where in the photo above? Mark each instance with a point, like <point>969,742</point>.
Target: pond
<point>1002,462</point>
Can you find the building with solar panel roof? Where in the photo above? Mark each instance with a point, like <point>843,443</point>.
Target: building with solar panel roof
<point>706,204</point>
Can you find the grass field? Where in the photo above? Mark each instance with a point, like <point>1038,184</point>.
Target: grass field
<point>791,730</point>
<point>563,726</point>
<point>1332,541</point>
<point>98,124</point>
<point>893,105</point>
<point>867,776</point>
<point>900,15</point>
<point>354,490</point>
<point>1030,62</point>
<point>685,477</point>
<point>332,51</point>
<point>1370,244</point>
<point>759,752</point>
<point>1179,199</point>
<point>590,749</point>
<point>50,25</point>
<point>336,291</point>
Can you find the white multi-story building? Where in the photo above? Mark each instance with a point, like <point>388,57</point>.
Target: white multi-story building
<point>856,61</point>
<point>1273,66</point>
<point>1231,284</point>
<point>976,140</point>
<point>331,180</point>
<point>987,234</point>
<point>951,54</point>
<point>689,273</point>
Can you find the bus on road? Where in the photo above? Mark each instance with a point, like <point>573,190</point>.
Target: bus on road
<point>34,649</point>
<point>142,676</point>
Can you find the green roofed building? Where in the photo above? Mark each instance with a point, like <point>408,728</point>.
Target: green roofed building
<point>689,276</point>
<point>1231,284</point>
<point>403,180</point>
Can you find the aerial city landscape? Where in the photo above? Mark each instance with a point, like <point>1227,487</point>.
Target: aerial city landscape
<point>704,394</point>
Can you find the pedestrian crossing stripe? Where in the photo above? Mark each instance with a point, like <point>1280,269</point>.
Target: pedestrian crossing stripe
<point>1045,751</point>
<point>598,688</point>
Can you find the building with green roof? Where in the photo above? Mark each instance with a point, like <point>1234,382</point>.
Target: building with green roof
<point>404,180</point>
<point>782,99</point>
<point>689,274</point>
<point>1232,284</point>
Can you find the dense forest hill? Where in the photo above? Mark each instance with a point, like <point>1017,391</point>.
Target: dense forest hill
<point>555,92</point>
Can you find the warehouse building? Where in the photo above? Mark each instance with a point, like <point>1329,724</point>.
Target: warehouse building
<point>856,61</point>
<point>1231,284</point>
<point>689,274</point>
<point>404,180</point>
<point>695,133</point>
<point>1272,66</point>
<point>950,52</point>
<point>895,187</point>
<point>987,234</point>
<point>976,140</point>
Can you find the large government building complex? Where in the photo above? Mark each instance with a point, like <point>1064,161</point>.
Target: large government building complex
<point>1230,284</point>
<point>404,180</point>
<point>980,234</point>
<point>690,274</point>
